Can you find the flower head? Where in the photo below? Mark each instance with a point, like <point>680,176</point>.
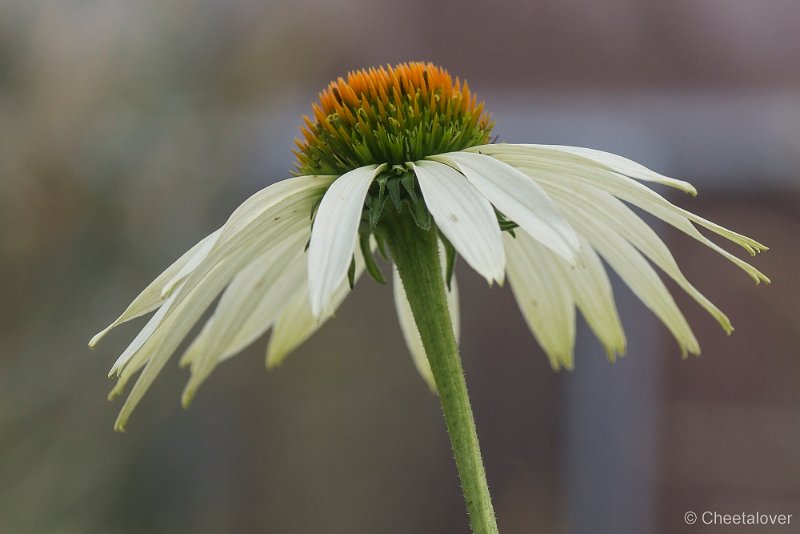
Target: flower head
<point>391,116</point>
<point>410,140</point>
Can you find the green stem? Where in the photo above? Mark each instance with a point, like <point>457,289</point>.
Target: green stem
<point>416,254</point>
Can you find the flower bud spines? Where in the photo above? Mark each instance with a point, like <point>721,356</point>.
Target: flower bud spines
<point>390,115</point>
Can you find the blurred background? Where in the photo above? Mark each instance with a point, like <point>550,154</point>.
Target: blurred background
<point>129,130</point>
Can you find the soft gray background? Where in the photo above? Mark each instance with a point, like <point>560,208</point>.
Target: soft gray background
<point>128,130</point>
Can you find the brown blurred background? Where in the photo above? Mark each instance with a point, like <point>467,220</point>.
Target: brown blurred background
<point>128,130</point>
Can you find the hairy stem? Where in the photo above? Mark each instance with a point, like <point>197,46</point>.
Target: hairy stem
<point>416,254</point>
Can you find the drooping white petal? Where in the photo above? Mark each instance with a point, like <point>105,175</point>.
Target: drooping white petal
<point>409,326</point>
<point>592,292</point>
<point>155,294</point>
<point>627,224</point>
<point>543,295</point>
<point>628,190</point>
<point>282,209</point>
<point>139,353</point>
<point>518,198</point>
<point>637,273</point>
<point>272,298</point>
<point>334,235</point>
<point>588,158</point>
<point>285,216</point>
<point>203,248</point>
<point>174,327</point>
<point>248,212</point>
<point>157,349</point>
<point>256,286</point>
<point>589,288</point>
<point>295,322</point>
<point>464,216</point>
<point>648,200</point>
<point>253,209</point>
<point>143,335</point>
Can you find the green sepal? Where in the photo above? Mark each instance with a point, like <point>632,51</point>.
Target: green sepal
<point>351,273</point>
<point>394,193</point>
<point>419,211</point>
<point>505,224</point>
<point>421,215</point>
<point>375,205</point>
<point>450,260</point>
<point>314,208</point>
<point>401,186</point>
<point>381,245</point>
<point>369,259</point>
<point>313,218</point>
<point>409,181</point>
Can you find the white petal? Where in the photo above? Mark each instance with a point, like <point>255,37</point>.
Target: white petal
<point>272,299</point>
<point>252,210</point>
<point>333,238</point>
<point>589,287</point>
<point>519,198</point>
<point>627,224</point>
<point>637,273</point>
<point>296,323</point>
<point>592,292</point>
<point>280,209</point>
<point>154,294</point>
<point>629,190</point>
<point>259,285</point>
<point>143,335</point>
<point>409,326</point>
<point>247,213</point>
<point>173,328</point>
<point>204,247</point>
<point>158,348</point>
<point>139,353</point>
<point>588,157</point>
<point>543,294</point>
<point>454,307</point>
<point>279,213</point>
<point>256,226</point>
<point>464,216</point>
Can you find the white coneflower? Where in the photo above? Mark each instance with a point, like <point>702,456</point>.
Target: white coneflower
<point>397,161</point>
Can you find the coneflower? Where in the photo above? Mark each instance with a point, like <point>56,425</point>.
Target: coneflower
<point>397,162</point>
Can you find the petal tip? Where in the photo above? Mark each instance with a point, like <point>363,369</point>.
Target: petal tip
<point>119,424</point>
<point>274,360</point>
<point>97,338</point>
<point>729,330</point>
<point>187,397</point>
<point>190,390</point>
